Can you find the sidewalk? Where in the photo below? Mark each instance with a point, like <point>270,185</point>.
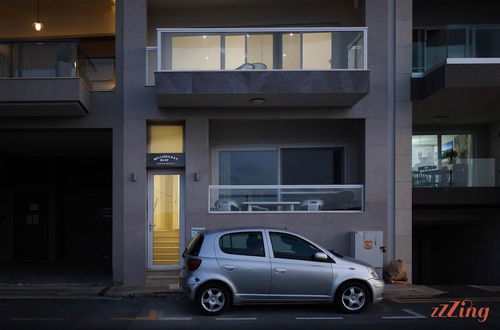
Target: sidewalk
<point>41,291</point>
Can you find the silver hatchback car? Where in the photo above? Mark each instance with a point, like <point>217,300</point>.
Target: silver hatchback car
<point>264,265</point>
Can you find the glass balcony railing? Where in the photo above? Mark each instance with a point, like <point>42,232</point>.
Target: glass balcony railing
<point>470,172</point>
<point>286,198</point>
<point>55,58</point>
<point>432,46</point>
<point>259,49</point>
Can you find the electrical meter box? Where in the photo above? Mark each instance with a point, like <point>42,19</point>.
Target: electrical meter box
<point>368,246</point>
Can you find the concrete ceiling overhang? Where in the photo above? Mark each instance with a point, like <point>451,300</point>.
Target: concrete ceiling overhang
<point>43,97</point>
<point>457,94</point>
<point>329,88</point>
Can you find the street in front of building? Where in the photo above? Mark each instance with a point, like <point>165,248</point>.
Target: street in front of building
<point>174,311</point>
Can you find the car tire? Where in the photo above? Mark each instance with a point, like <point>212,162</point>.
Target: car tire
<point>213,298</point>
<point>352,297</point>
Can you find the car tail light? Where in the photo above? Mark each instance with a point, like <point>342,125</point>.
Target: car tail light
<point>193,264</point>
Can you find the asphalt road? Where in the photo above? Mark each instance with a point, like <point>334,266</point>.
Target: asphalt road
<point>176,312</point>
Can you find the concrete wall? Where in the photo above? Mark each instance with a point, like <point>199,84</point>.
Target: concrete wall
<point>252,14</point>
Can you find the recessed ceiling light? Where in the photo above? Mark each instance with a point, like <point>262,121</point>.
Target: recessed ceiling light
<point>257,100</point>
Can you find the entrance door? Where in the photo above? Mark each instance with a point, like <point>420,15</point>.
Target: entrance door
<point>166,214</point>
<point>31,232</point>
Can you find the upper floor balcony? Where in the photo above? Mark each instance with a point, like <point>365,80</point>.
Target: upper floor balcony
<point>50,78</point>
<point>301,67</point>
<point>456,64</point>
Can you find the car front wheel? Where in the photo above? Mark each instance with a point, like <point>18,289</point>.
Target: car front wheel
<point>213,299</point>
<point>352,297</point>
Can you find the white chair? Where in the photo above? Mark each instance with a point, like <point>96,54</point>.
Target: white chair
<point>312,204</point>
<point>227,205</point>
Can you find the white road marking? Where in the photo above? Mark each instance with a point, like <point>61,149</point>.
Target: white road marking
<point>236,319</point>
<point>35,319</point>
<point>415,315</point>
<point>320,318</point>
<point>175,318</point>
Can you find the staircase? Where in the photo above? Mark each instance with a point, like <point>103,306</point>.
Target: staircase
<point>166,247</point>
<point>170,279</point>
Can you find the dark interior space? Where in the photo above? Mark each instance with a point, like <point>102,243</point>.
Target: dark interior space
<point>458,247</point>
<point>56,206</point>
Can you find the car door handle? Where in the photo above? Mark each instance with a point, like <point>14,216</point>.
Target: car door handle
<point>228,267</point>
<point>280,270</point>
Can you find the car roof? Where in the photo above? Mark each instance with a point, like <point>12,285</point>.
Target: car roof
<point>242,229</point>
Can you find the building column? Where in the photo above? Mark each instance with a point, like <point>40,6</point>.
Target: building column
<point>403,130</point>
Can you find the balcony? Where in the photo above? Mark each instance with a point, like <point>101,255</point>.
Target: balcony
<point>286,198</point>
<point>50,78</point>
<point>269,67</point>
<point>456,68</point>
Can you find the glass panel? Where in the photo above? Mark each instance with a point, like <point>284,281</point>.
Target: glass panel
<point>436,49</point>
<point>248,167</point>
<point>166,139</point>
<point>100,73</point>
<point>317,51</point>
<point>291,56</point>
<point>286,198</point>
<point>424,152</point>
<point>247,244</point>
<point>5,58</point>
<point>355,55</point>
<point>291,247</point>
<point>234,51</point>
<point>457,43</point>
<point>260,49</point>
<point>166,219</point>
<point>196,52</point>
<point>314,166</point>
<point>487,44</point>
<point>45,59</point>
<point>418,50</point>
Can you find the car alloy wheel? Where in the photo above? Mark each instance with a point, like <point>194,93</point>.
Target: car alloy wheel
<point>213,299</point>
<point>352,297</point>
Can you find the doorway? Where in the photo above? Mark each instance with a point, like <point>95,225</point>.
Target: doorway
<point>165,219</point>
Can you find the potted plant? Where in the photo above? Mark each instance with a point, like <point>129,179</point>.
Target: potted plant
<point>450,155</point>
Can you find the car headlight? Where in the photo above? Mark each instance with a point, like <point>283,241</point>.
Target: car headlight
<point>372,272</point>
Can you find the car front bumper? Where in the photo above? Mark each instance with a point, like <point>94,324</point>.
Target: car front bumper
<point>377,287</point>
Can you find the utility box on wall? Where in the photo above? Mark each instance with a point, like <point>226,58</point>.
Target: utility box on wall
<point>368,246</point>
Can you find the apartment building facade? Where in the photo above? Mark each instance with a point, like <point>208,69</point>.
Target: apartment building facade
<point>179,117</point>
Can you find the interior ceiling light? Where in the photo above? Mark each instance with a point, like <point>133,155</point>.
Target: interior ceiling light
<point>37,24</point>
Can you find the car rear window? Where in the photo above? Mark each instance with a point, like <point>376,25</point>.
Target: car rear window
<point>247,244</point>
<point>194,246</point>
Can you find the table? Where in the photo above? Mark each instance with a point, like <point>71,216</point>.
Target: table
<point>291,205</point>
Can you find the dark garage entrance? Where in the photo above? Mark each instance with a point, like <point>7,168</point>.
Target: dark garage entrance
<point>56,206</point>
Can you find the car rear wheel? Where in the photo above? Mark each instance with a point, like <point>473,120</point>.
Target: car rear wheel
<point>213,298</point>
<point>352,297</point>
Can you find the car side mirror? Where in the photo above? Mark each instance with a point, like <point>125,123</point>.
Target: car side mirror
<point>320,256</point>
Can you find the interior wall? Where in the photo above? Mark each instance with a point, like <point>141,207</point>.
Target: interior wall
<point>348,133</point>
<point>169,14</point>
<point>61,18</point>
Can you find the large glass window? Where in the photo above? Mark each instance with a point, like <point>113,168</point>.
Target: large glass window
<point>247,244</point>
<point>248,167</point>
<point>313,166</point>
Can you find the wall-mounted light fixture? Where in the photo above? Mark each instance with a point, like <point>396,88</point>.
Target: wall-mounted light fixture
<point>37,24</point>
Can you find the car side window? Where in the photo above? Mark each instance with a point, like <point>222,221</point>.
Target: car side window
<point>246,244</point>
<point>291,247</point>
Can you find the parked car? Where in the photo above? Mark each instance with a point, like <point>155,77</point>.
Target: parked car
<point>264,265</point>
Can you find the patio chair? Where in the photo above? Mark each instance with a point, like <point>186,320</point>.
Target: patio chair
<point>312,204</point>
<point>227,205</point>
<point>259,66</point>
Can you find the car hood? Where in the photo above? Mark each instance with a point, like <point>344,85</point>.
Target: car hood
<point>355,261</point>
